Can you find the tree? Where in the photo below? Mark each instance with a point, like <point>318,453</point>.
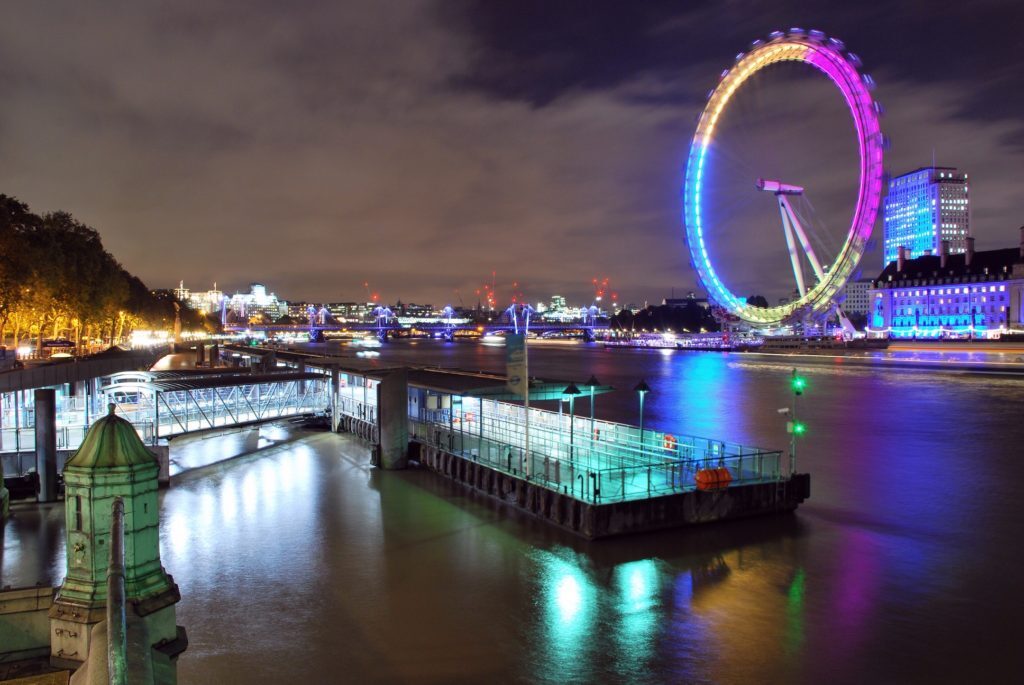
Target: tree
<point>57,280</point>
<point>15,260</point>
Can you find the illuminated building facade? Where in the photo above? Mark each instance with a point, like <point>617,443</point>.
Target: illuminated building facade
<point>207,301</point>
<point>257,302</point>
<point>923,208</point>
<point>351,312</point>
<point>969,295</point>
<point>857,300</point>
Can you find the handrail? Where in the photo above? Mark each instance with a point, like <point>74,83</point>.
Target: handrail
<point>117,619</point>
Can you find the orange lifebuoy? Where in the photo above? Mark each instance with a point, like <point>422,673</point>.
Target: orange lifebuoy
<point>713,479</point>
<point>670,441</point>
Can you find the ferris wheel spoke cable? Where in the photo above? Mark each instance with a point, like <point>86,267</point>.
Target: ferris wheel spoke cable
<point>820,237</point>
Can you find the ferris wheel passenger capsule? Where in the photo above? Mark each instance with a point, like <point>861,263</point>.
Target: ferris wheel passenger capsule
<point>836,43</point>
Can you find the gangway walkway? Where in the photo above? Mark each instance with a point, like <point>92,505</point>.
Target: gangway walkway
<point>165,404</point>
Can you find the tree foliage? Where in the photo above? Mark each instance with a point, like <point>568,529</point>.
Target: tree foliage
<point>691,318</point>
<point>58,281</point>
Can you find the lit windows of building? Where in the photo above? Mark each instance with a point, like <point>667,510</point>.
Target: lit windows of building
<point>923,208</point>
<point>207,301</point>
<point>257,302</point>
<point>973,294</point>
<point>856,296</point>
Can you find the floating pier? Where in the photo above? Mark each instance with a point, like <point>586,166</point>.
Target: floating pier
<point>593,477</point>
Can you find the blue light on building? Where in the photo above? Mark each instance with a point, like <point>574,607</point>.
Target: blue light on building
<point>969,295</point>
<point>923,208</point>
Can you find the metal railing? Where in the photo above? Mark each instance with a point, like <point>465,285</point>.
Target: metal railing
<point>163,414</point>
<point>117,616</point>
<point>617,466</point>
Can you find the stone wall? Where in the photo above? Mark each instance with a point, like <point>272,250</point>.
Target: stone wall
<point>25,623</point>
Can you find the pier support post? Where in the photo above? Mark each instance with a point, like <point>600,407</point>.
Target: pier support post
<point>393,420</point>
<point>46,444</point>
<point>335,414</point>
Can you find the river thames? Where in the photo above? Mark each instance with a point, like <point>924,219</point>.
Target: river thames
<point>301,563</point>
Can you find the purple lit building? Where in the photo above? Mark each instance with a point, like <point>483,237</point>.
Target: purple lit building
<point>974,294</point>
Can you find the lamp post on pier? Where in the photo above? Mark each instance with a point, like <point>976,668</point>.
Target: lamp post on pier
<point>641,390</point>
<point>592,383</point>
<point>571,393</point>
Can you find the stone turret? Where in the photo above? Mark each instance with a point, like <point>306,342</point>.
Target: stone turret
<point>113,462</point>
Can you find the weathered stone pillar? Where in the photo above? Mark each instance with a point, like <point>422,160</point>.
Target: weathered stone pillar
<point>46,444</point>
<point>393,420</point>
<point>113,462</point>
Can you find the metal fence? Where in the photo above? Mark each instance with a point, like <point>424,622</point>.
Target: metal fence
<point>598,461</point>
<point>156,414</point>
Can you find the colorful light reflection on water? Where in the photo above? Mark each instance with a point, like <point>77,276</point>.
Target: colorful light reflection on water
<point>301,563</point>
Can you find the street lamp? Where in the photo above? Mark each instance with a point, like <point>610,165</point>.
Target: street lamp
<point>592,383</point>
<point>571,392</point>
<point>794,426</point>
<point>642,389</point>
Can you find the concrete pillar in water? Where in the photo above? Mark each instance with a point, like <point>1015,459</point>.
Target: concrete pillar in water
<point>200,354</point>
<point>214,354</point>
<point>393,420</point>
<point>46,444</point>
<point>335,380</point>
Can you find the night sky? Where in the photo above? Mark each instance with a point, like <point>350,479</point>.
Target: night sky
<point>421,145</point>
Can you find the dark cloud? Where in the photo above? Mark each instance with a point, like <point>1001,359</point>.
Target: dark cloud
<point>419,145</point>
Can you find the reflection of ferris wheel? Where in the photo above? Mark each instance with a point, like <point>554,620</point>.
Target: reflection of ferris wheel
<point>827,55</point>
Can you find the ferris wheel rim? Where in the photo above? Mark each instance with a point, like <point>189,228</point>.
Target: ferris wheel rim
<point>829,56</point>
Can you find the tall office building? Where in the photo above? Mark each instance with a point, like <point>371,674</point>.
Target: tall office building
<point>923,208</point>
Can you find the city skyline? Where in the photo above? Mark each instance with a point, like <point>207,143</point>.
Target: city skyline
<point>337,151</point>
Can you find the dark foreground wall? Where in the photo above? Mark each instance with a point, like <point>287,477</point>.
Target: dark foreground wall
<point>619,518</point>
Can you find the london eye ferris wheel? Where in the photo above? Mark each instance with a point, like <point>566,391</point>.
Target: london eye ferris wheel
<point>815,293</point>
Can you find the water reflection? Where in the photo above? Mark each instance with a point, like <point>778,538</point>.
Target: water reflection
<point>638,604</point>
<point>300,563</point>
<point>570,615</point>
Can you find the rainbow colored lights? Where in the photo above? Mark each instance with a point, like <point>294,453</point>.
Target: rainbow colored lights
<point>826,55</point>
